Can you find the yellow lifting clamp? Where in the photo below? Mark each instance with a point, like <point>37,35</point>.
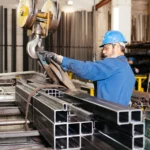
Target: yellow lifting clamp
<point>140,79</point>
<point>91,92</point>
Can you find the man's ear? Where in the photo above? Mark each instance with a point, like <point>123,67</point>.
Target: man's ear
<point>118,46</point>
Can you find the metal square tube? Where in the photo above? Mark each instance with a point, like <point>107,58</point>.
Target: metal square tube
<point>74,129</point>
<point>87,128</point>
<point>136,115</point>
<point>74,142</point>
<point>111,111</point>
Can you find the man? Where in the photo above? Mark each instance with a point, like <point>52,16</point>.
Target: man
<point>114,77</point>
<point>131,61</point>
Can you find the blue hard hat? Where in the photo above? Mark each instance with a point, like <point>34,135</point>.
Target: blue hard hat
<point>112,37</point>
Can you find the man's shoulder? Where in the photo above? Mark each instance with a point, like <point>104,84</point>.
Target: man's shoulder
<point>117,60</point>
<point>114,62</point>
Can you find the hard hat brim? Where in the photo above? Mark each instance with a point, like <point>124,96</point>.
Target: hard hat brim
<point>111,43</point>
<point>101,45</point>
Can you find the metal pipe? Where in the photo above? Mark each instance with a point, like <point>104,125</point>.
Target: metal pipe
<point>6,40</point>
<point>8,111</point>
<point>13,63</point>
<point>19,134</point>
<point>7,98</point>
<point>7,102</point>
<point>1,39</point>
<point>26,57</point>
<point>14,122</point>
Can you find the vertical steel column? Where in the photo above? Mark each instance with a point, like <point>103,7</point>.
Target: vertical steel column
<point>68,34</point>
<point>72,38</point>
<point>58,32</point>
<point>90,36</point>
<point>13,63</point>
<point>5,37</point>
<point>76,35</point>
<point>148,20</point>
<point>62,33</point>
<point>59,38</point>
<point>25,55</point>
<point>1,39</point>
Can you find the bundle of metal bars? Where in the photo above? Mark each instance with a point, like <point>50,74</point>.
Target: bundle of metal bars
<point>120,126</point>
<point>140,99</point>
<point>54,118</point>
<point>12,123</point>
<point>73,120</point>
<point>138,48</point>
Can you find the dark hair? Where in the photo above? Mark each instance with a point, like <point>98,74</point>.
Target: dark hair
<point>122,48</point>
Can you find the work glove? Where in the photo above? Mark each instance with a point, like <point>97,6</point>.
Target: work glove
<point>48,56</point>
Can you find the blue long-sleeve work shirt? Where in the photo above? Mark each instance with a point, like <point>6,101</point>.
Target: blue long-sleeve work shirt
<point>114,76</point>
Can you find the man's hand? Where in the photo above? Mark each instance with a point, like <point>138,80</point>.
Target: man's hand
<point>136,70</point>
<point>48,56</point>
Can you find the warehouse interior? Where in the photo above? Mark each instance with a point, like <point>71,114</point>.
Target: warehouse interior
<point>75,75</point>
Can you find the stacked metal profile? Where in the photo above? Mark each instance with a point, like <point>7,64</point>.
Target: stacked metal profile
<point>54,118</point>
<point>69,120</point>
<point>120,126</point>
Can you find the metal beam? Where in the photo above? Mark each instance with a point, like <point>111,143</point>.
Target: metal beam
<point>102,3</point>
<point>20,134</point>
<point>9,111</point>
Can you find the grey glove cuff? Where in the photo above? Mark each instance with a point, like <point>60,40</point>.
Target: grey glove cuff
<point>59,59</point>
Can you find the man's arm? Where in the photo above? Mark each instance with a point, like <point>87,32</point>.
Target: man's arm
<point>91,70</point>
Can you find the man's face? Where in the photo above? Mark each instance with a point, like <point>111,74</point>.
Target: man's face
<point>108,50</point>
<point>130,62</point>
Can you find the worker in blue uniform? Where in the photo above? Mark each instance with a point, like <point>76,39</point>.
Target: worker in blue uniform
<point>114,76</point>
<point>131,61</point>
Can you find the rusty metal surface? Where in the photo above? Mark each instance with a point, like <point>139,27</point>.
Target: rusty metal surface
<point>140,99</point>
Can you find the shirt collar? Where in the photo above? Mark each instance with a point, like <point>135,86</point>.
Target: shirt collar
<point>122,57</point>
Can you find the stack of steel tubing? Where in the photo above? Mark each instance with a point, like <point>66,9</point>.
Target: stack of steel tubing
<point>64,120</point>
<point>140,99</point>
<point>54,118</point>
<point>120,126</point>
<point>12,124</point>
